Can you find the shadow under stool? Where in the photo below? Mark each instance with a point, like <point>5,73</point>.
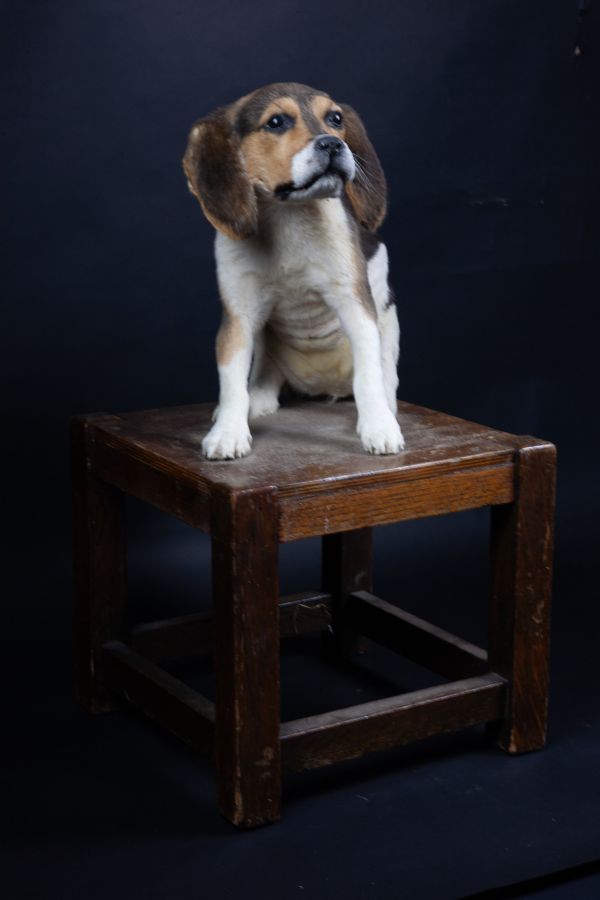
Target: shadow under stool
<point>308,475</point>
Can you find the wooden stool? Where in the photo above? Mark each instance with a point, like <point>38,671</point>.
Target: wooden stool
<point>308,475</point>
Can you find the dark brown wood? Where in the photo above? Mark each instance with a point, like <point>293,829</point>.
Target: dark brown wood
<point>308,475</point>
<point>326,482</point>
<point>417,640</point>
<point>346,565</point>
<point>246,628</point>
<point>347,733</point>
<point>163,698</point>
<point>519,641</point>
<point>99,559</point>
<point>133,467</point>
<point>381,503</point>
<point>185,637</point>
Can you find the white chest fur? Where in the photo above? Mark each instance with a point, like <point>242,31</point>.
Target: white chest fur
<point>286,293</point>
<point>292,276</point>
<point>302,248</point>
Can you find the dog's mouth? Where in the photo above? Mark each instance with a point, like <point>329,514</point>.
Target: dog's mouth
<point>283,191</point>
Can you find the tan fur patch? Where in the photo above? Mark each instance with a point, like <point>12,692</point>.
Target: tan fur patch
<point>361,280</point>
<point>316,371</point>
<point>321,105</point>
<point>268,157</point>
<point>230,337</point>
<point>282,105</point>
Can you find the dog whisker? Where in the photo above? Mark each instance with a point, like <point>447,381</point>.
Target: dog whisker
<point>364,179</point>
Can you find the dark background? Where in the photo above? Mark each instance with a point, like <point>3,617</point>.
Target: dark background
<point>487,125</point>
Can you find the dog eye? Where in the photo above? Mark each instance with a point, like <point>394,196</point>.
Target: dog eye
<point>279,122</point>
<point>335,118</point>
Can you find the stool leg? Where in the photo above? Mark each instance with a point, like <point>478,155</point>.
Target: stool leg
<point>522,542</point>
<point>246,632</point>
<point>99,558</point>
<point>346,566</point>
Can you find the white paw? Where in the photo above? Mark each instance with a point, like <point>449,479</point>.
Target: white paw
<point>381,434</point>
<point>263,402</point>
<point>227,441</point>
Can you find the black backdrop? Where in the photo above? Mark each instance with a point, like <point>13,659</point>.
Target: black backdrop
<point>487,125</point>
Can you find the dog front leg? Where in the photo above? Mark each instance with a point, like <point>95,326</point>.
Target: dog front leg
<point>377,425</point>
<point>266,381</point>
<point>230,436</point>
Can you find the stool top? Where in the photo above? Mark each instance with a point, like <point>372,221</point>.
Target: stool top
<point>310,455</point>
<point>309,443</point>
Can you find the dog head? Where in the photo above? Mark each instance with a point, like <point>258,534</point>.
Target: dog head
<point>284,143</point>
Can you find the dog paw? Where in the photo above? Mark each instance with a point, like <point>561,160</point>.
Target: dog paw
<point>227,441</point>
<point>262,403</point>
<point>381,435</point>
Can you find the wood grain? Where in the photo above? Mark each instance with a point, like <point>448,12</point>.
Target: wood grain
<point>99,563</point>
<point>519,641</point>
<point>311,452</point>
<point>160,696</point>
<point>306,443</point>
<point>347,733</point>
<point>381,504</point>
<point>308,475</point>
<point>246,630</point>
<point>139,471</point>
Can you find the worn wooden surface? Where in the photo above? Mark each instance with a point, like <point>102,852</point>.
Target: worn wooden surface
<point>519,631</point>
<point>246,629</point>
<point>99,559</point>
<point>308,475</point>
<point>351,732</point>
<point>136,465</point>
<point>311,453</point>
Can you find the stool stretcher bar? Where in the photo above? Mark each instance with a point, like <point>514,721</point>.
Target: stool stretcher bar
<point>341,734</point>
<point>175,705</point>
<point>187,636</point>
<point>417,640</point>
<point>318,740</point>
<point>347,733</point>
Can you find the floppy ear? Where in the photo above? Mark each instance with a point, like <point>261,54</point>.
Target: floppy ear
<point>217,176</point>
<point>367,193</point>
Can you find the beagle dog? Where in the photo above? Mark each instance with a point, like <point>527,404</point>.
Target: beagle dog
<point>294,188</point>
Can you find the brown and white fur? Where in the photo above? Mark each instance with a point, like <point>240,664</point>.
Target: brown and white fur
<point>294,188</point>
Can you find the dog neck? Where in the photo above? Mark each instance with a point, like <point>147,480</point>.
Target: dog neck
<point>288,222</point>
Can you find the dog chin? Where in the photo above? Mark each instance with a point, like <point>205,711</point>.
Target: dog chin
<point>329,184</point>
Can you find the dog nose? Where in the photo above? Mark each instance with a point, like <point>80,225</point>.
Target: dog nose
<point>331,145</point>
